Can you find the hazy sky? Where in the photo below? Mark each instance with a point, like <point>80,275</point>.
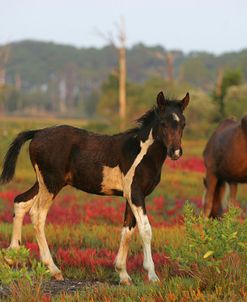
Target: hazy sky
<point>212,25</point>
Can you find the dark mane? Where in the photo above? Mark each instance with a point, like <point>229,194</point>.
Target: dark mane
<point>142,122</point>
<point>147,117</point>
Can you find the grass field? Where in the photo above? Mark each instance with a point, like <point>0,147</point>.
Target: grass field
<point>83,232</point>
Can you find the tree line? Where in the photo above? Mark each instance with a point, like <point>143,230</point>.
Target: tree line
<point>39,77</point>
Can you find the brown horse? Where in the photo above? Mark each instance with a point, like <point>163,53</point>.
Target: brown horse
<point>225,158</point>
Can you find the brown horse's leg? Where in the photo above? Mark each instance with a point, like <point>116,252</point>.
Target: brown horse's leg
<point>211,181</point>
<point>233,194</point>
<point>217,209</point>
<point>127,231</point>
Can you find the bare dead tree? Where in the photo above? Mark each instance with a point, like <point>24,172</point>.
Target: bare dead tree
<point>168,57</point>
<point>219,83</point>
<point>122,72</point>
<point>62,94</point>
<point>169,64</point>
<point>18,82</point>
<point>120,45</point>
<point>4,57</point>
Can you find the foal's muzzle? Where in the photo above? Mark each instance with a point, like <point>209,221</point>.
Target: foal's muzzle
<point>174,154</point>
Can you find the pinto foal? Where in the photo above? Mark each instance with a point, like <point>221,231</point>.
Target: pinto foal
<point>127,164</point>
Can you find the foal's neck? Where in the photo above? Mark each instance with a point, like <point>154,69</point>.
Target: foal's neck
<point>143,133</point>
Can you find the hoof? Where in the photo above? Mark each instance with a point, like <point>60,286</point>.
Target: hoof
<point>126,281</point>
<point>154,278</point>
<point>58,277</point>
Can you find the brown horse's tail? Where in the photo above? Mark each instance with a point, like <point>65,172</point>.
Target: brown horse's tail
<point>12,155</point>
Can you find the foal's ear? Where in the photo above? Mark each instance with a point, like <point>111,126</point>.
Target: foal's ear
<point>161,100</point>
<point>185,101</point>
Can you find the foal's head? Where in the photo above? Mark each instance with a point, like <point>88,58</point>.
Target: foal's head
<point>171,123</point>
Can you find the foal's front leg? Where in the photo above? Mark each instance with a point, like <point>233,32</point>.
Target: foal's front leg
<point>137,204</point>
<point>127,231</point>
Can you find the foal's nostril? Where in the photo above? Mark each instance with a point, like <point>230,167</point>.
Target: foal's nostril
<point>175,153</point>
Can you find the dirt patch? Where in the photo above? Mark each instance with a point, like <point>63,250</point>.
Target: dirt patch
<point>54,287</point>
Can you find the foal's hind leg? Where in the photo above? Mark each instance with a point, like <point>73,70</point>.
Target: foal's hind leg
<point>127,231</point>
<point>211,181</point>
<point>38,214</point>
<point>22,205</point>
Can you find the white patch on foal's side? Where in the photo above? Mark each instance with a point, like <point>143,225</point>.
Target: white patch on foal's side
<point>175,117</point>
<point>112,180</point>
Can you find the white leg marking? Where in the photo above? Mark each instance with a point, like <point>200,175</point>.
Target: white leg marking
<point>20,209</point>
<point>120,262</point>
<point>38,214</point>
<point>146,236</point>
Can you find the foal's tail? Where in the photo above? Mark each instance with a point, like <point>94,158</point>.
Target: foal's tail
<point>12,154</point>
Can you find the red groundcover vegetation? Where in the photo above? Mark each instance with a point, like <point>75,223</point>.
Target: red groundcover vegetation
<point>69,209</point>
<point>190,164</point>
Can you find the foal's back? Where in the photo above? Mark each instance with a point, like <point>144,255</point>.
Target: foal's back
<point>69,155</point>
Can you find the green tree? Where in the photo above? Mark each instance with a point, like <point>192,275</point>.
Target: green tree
<point>9,98</point>
<point>236,101</point>
<point>230,78</point>
<point>200,115</point>
<point>108,102</point>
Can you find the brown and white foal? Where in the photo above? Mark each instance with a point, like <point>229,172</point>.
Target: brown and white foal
<point>127,164</point>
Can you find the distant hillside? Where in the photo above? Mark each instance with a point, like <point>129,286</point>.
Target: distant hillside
<point>38,62</point>
<point>46,78</point>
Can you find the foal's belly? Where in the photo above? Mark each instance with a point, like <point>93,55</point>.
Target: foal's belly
<point>101,180</point>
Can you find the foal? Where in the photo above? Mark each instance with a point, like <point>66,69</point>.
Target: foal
<point>127,164</point>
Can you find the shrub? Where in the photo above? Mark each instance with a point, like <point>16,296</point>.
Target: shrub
<point>22,277</point>
<point>214,251</point>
